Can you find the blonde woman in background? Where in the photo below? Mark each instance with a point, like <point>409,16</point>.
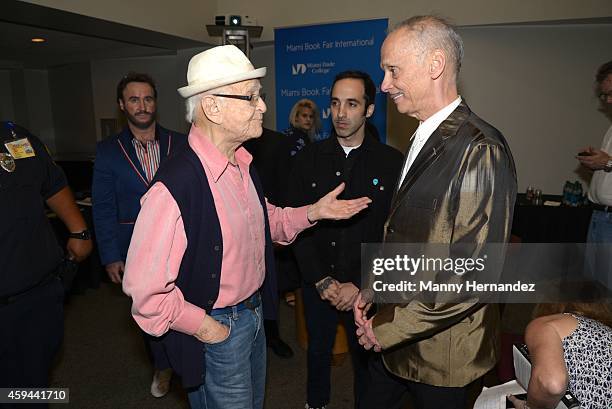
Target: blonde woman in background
<point>305,123</point>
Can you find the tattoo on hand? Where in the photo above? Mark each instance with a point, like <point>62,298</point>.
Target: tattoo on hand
<point>324,285</point>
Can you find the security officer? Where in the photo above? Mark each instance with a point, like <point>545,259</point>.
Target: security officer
<point>329,255</point>
<point>31,292</point>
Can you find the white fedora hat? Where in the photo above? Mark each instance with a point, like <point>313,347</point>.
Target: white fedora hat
<point>218,66</point>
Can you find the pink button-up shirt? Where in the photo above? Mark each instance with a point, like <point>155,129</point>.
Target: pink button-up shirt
<point>159,242</point>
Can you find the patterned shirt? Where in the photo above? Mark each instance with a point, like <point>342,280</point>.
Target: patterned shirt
<point>148,156</point>
<point>588,356</point>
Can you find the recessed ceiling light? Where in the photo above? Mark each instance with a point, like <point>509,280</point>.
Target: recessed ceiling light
<point>38,40</point>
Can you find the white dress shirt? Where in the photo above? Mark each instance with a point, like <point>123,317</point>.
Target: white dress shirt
<point>600,191</point>
<point>424,131</point>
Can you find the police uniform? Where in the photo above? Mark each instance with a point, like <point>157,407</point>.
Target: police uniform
<point>31,294</point>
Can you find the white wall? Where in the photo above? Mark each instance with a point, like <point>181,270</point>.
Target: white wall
<point>535,84</point>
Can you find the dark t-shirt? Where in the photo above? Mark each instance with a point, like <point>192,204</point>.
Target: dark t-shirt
<point>29,250</point>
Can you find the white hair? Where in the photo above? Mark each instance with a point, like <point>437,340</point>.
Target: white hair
<point>431,32</point>
<point>192,103</point>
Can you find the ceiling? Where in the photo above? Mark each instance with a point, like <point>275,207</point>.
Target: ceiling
<point>72,38</point>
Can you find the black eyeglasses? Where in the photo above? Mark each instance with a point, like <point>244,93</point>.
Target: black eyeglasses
<point>253,98</point>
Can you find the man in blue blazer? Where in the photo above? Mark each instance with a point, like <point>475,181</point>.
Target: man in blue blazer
<point>124,167</point>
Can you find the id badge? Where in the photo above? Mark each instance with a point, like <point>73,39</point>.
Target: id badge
<point>20,149</point>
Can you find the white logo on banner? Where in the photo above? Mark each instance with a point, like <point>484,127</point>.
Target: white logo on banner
<point>298,69</point>
<point>326,113</point>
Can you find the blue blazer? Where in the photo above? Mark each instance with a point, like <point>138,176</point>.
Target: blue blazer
<point>118,184</point>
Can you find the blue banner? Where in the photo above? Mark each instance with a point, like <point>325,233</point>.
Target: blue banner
<point>307,59</point>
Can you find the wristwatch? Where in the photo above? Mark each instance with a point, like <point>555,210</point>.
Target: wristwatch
<point>608,166</point>
<point>83,235</point>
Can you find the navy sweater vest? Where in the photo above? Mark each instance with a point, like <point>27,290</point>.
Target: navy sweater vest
<point>200,270</point>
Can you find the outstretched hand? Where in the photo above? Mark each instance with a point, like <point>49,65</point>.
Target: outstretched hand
<point>329,207</point>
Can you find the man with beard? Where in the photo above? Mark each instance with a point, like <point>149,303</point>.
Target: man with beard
<point>329,255</point>
<point>599,264</point>
<point>124,167</point>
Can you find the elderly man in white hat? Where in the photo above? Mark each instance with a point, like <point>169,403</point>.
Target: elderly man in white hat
<point>200,264</point>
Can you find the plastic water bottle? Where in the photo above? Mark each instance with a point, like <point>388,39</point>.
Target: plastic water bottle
<point>566,193</point>
<point>529,194</point>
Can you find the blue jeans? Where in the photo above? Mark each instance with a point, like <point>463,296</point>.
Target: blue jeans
<point>599,248</point>
<point>236,367</point>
